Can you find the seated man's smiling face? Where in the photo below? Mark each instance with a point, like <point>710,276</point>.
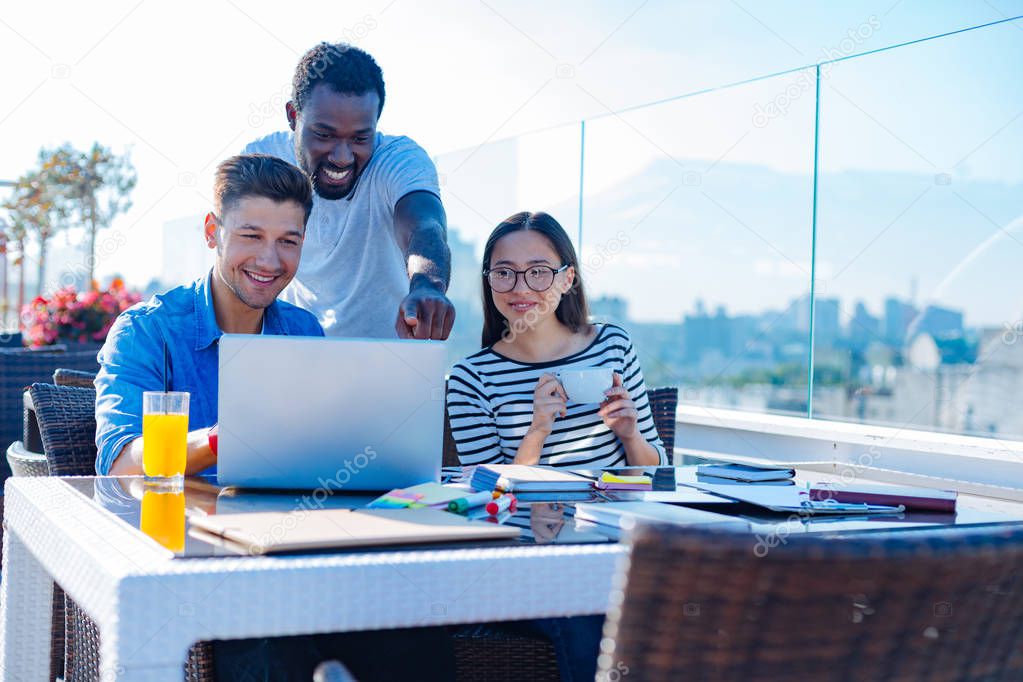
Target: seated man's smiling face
<point>259,243</point>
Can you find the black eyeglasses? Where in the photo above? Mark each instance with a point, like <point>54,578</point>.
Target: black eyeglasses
<point>538,278</point>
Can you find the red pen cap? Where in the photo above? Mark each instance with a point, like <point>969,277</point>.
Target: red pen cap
<point>506,501</point>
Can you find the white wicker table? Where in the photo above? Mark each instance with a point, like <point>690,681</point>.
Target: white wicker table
<point>150,606</point>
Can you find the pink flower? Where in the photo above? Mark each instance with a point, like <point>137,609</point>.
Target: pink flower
<point>66,315</point>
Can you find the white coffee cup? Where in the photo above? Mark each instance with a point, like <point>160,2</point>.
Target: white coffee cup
<point>586,385</point>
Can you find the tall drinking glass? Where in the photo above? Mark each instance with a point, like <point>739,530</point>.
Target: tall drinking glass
<point>164,433</point>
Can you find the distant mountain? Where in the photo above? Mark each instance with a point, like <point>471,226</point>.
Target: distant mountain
<point>739,236</point>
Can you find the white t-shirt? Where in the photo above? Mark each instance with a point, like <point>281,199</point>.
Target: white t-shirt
<point>353,274</point>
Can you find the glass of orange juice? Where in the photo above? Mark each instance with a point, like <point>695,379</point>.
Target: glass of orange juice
<point>163,517</point>
<point>164,433</point>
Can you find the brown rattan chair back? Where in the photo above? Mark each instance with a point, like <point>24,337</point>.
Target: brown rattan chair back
<point>663,403</point>
<point>73,377</point>
<point>939,605</point>
<point>67,425</point>
<point>449,453</point>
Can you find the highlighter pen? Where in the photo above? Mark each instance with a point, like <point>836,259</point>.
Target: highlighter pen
<point>462,505</point>
<point>501,504</point>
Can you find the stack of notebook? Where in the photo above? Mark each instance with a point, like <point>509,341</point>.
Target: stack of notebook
<point>526,479</point>
<point>745,473</point>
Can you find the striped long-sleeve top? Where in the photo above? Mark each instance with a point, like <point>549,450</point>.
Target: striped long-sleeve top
<point>490,406</point>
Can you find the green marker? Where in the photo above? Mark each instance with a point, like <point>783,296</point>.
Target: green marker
<point>462,505</point>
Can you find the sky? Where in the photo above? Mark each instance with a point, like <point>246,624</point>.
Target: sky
<point>185,85</point>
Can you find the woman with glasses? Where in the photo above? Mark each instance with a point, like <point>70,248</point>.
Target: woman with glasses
<point>506,405</point>
<point>505,402</point>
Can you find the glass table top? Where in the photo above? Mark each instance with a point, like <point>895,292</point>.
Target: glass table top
<point>543,518</point>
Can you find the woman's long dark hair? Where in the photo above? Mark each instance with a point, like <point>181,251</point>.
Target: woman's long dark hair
<point>572,311</point>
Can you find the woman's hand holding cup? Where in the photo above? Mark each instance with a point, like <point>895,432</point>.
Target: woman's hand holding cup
<point>619,412</point>
<point>549,402</point>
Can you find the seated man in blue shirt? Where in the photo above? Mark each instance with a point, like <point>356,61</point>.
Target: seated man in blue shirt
<point>261,207</point>
<point>258,225</point>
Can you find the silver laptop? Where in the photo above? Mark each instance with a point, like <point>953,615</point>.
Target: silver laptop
<point>337,414</point>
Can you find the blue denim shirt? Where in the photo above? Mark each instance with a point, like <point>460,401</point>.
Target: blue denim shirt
<point>131,360</point>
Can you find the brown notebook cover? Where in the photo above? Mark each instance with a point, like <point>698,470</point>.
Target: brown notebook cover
<point>268,532</point>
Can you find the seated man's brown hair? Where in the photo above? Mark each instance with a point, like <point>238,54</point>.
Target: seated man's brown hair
<point>260,175</point>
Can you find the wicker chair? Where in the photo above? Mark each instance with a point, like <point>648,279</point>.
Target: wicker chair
<point>24,462</point>
<point>12,340</point>
<point>663,403</point>
<point>67,427</point>
<point>30,432</point>
<point>449,455</point>
<point>485,653</point>
<point>30,425</point>
<point>937,605</point>
<point>20,367</point>
<point>67,424</point>
<point>73,377</point>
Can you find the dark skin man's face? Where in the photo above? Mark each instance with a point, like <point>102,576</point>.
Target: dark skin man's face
<point>334,138</point>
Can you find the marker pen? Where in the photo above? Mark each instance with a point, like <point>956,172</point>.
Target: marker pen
<point>502,503</point>
<point>463,504</point>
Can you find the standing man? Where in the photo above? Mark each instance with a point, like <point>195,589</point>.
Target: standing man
<point>376,262</point>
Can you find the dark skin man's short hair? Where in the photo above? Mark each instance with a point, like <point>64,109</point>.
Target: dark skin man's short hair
<point>345,68</point>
